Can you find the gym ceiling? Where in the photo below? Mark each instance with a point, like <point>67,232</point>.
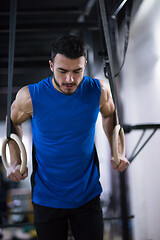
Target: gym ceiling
<point>39,23</point>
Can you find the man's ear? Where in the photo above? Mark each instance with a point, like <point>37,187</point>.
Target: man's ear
<point>85,63</point>
<point>51,65</point>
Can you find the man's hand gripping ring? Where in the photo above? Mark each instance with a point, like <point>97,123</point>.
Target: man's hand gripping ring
<point>22,151</point>
<point>118,143</point>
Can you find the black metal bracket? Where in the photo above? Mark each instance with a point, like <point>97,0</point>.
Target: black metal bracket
<point>144,127</point>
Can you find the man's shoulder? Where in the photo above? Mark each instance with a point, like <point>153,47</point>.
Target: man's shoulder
<point>23,100</point>
<point>104,85</point>
<point>23,93</point>
<point>92,80</point>
<point>40,84</point>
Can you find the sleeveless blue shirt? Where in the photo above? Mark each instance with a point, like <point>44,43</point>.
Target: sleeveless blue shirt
<point>63,129</point>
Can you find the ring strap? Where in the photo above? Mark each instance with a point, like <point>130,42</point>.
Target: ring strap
<point>12,33</point>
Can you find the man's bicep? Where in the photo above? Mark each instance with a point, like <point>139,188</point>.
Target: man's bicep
<point>106,101</point>
<point>18,116</point>
<point>21,109</point>
<point>107,108</point>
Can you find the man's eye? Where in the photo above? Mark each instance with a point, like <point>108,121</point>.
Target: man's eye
<point>78,71</point>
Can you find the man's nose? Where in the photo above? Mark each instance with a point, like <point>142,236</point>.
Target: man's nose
<point>69,78</point>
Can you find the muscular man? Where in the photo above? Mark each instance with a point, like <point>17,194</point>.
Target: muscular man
<point>63,110</point>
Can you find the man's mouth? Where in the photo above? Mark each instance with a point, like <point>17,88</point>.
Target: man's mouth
<point>69,85</point>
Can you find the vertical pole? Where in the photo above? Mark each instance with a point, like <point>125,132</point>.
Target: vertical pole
<point>109,46</point>
<point>124,207</point>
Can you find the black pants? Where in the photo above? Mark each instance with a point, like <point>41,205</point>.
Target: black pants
<point>86,222</point>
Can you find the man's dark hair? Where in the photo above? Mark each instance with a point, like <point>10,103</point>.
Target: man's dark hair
<point>70,46</point>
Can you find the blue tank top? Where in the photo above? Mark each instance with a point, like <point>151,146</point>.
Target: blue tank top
<point>63,129</point>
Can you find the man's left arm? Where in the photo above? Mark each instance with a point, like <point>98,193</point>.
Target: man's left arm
<point>107,109</point>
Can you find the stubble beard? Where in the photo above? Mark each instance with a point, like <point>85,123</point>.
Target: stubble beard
<point>59,86</point>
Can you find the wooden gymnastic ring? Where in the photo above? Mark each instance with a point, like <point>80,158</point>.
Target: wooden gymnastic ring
<point>22,151</point>
<point>118,137</point>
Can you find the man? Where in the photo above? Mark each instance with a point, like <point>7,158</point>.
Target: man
<point>63,110</point>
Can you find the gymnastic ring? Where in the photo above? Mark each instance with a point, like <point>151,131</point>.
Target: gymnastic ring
<point>118,137</point>
<point>22,151</point>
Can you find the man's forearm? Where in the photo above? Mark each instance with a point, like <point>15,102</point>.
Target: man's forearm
<point>13,147</point>
<point>108,125</point>
<point>17,129</point>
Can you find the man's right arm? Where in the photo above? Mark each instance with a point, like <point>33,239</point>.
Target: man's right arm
<point>21,111</point>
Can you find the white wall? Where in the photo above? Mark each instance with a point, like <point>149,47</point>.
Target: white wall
<point>141,100</point>
<point>103,151</point>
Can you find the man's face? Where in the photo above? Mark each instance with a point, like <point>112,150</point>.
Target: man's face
<point>67,73</point>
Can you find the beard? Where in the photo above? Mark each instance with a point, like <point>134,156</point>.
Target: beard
<point>65,84</point>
